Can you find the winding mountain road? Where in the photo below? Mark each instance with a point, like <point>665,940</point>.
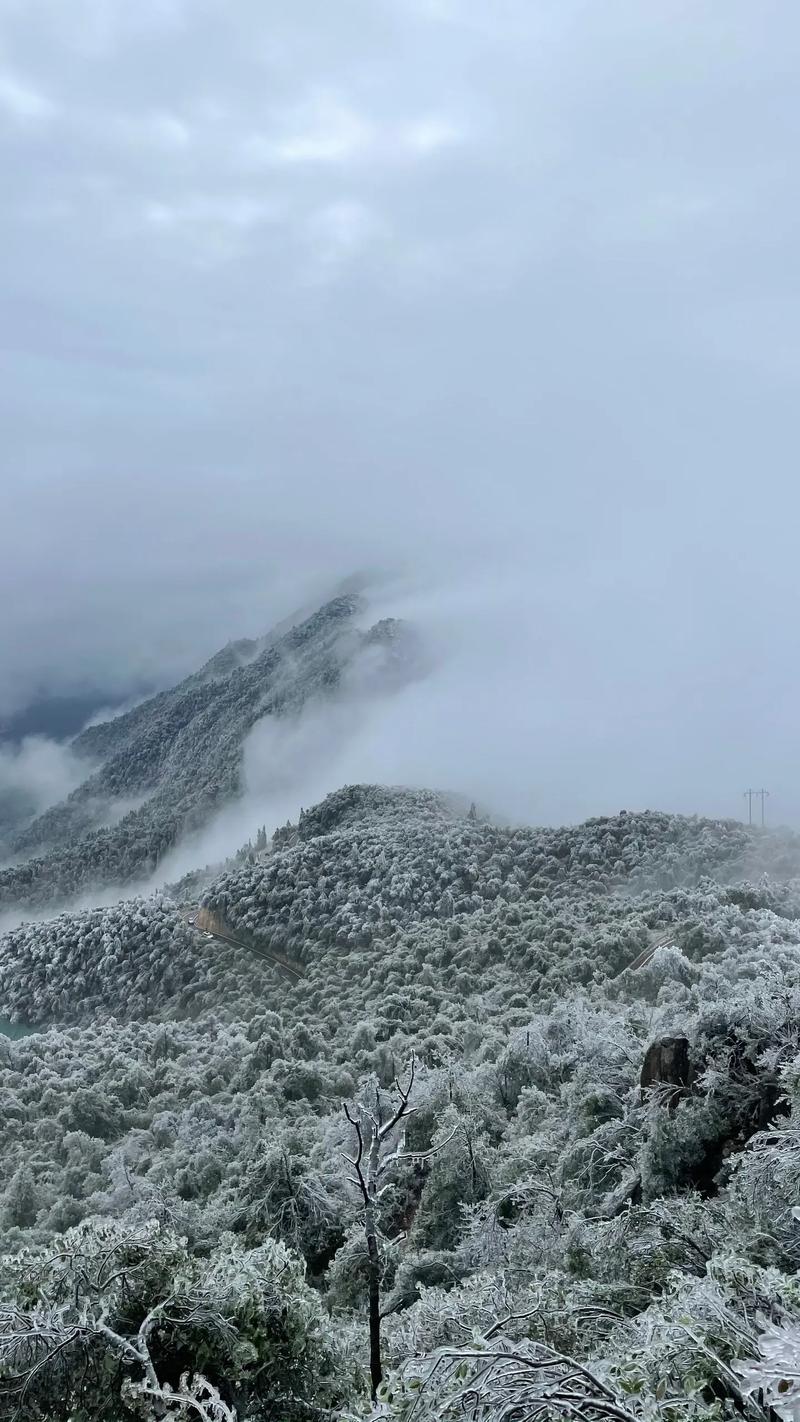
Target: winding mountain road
<point>212,926</point>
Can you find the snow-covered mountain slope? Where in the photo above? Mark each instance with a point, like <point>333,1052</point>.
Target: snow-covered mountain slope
<point>379,889</point>
<point>161,770</point>
<point>602,1155</point>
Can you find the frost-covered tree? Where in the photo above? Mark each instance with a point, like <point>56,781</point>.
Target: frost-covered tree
<point>380,1149</point>
<point>118,1313</point>
<point>603,1021</point>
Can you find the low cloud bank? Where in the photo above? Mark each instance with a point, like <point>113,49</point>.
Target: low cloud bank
<point>35,774</point>
<point>543,710</point>
<point>546,707</point>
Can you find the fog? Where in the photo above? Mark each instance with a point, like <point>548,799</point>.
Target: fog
<point>497,298</point>
<point>503,713</point>
<point>33,775</point>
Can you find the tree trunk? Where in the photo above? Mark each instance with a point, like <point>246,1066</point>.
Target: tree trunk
<point>373,1255</point>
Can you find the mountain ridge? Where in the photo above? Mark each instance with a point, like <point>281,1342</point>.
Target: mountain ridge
<point>179,754</point>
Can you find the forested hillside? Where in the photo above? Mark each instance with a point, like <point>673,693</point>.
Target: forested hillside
<point>163,769</point>
<point>521,1142</point>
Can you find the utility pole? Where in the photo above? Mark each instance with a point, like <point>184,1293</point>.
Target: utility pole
<point>750,796</point>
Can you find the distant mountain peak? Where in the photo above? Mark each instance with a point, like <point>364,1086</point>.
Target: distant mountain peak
<point>165,767</point>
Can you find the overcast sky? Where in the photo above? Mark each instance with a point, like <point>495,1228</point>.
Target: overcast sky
<point>503,294</point>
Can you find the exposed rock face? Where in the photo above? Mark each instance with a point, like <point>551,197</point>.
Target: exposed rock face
<point>667,1061</point>
<point>209,922</point>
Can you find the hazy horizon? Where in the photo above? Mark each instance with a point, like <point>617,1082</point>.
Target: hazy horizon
<point>498,301</point>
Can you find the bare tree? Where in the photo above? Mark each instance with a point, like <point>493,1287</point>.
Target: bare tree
<point>380,1146</point>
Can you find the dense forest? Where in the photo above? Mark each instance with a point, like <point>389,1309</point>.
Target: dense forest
<point>518,1139</point>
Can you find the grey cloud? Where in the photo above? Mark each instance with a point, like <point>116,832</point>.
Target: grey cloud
<point>501,294</point>
<point>22,103</point>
